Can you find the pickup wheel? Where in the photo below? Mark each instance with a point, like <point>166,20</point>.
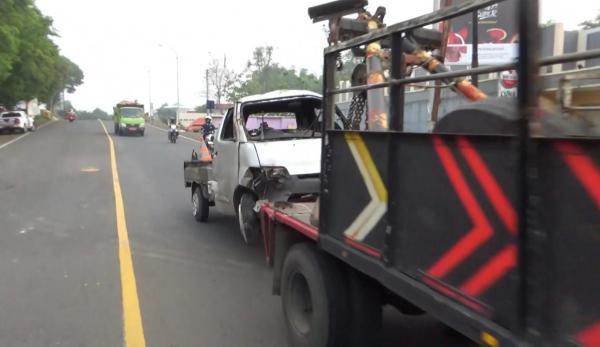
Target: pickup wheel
<point>200,205</point>
<point>247,218</point>
<point>313,297</point>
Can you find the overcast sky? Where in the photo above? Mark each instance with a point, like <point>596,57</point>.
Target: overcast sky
<point>116,42</point>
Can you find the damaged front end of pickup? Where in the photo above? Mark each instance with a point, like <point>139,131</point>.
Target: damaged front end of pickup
<point>276,184</point>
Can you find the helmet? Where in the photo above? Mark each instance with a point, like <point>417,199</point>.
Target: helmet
<point>208,119</point>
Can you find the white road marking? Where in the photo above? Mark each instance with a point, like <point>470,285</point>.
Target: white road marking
<point>22,136</point>
<point>165,130</point>
<point>14,140</point>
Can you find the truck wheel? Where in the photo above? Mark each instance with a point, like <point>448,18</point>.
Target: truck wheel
<point>313,298</point>
<point>116,130</point>
<point>247,218</point>
<point>200,205</point>
<point>365,317</point>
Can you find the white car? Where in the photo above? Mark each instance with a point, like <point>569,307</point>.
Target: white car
<point>16,121</point>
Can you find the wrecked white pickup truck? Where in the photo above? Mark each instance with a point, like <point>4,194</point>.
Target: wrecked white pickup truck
<point>268,147</point>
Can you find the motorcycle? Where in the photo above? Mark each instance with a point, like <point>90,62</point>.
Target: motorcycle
<point>173,133</point>
<point>70,117</point>
<point>209,139</point>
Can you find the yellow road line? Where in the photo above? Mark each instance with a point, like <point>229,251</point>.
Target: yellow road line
<point>133,329</point>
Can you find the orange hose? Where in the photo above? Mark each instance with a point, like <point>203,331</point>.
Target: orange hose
<point>470,91</point>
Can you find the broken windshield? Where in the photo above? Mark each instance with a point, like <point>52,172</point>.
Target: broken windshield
<point>281,120</point>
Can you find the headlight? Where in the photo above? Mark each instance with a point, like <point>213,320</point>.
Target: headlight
<point>122,125</point>
<point>275,172</point>
<point>142,125</point>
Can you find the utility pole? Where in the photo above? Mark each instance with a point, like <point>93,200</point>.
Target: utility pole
<point>177,63</point>
<point>177,59</point>
<point>151,113</point>
<point>223,75</point>
<point>207,93</point>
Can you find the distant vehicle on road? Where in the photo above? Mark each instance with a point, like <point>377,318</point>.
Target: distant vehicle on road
<point>16,121</point>
<point>129,118</point>
<point>255,161</point>
<point>70,116</point>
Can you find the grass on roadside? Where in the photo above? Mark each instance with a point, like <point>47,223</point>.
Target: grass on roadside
<point>40,120</point>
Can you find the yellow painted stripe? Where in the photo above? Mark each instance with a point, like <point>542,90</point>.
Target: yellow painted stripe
<point>133,329</point>
<point>367,161</point>
<point>489,340</point>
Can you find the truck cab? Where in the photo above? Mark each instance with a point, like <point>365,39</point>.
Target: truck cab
<point>129,118</point>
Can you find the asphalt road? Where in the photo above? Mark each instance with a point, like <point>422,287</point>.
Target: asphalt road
<point>198,284</point>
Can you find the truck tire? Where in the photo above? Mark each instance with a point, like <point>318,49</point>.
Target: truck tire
<point>200,205</point>
<point>248,221</point>
<point>365,316</point>
<point>313,298</point>
<point>116,130</point>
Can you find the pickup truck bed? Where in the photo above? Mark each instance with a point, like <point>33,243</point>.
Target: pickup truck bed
<point>196,171</point>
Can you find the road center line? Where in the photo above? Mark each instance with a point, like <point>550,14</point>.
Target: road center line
<point>133,329</point>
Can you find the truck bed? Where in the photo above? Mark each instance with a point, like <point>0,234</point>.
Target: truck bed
<point>197,171</point>
<point>295,215</point>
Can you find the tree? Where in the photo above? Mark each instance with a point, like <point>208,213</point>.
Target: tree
<point>263,75</point>
<point>68,76</point>
<point>30,63</point>
<point>221,79</point>
<point>591,24</point>
<point>97,113</point>
<point>9,37</point>
<point>165,112</point>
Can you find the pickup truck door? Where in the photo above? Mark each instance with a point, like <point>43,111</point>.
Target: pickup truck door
<point>225,164</point>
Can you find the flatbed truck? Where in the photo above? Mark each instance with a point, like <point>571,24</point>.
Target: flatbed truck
<point>490,222</point>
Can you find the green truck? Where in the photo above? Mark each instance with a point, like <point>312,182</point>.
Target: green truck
<point>129,118</point>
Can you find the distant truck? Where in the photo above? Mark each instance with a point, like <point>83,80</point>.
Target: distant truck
<point>129,118</point>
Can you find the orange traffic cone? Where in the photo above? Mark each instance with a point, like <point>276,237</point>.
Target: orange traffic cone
<point>204,153</point>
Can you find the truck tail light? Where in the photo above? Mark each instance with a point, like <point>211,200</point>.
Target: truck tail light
<point>17,121</point>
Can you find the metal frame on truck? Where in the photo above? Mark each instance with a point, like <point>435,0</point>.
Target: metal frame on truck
<point>495,234</point>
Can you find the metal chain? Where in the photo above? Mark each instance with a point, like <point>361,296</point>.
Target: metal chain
<point>356,111</point>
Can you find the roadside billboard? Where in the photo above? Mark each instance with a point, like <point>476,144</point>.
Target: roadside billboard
<point>497,35</point>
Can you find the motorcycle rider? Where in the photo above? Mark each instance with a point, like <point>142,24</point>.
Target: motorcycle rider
<point>207,128</point>
<point>173,128</point>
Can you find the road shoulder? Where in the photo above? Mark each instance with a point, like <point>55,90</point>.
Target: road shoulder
<point>8,139</point>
